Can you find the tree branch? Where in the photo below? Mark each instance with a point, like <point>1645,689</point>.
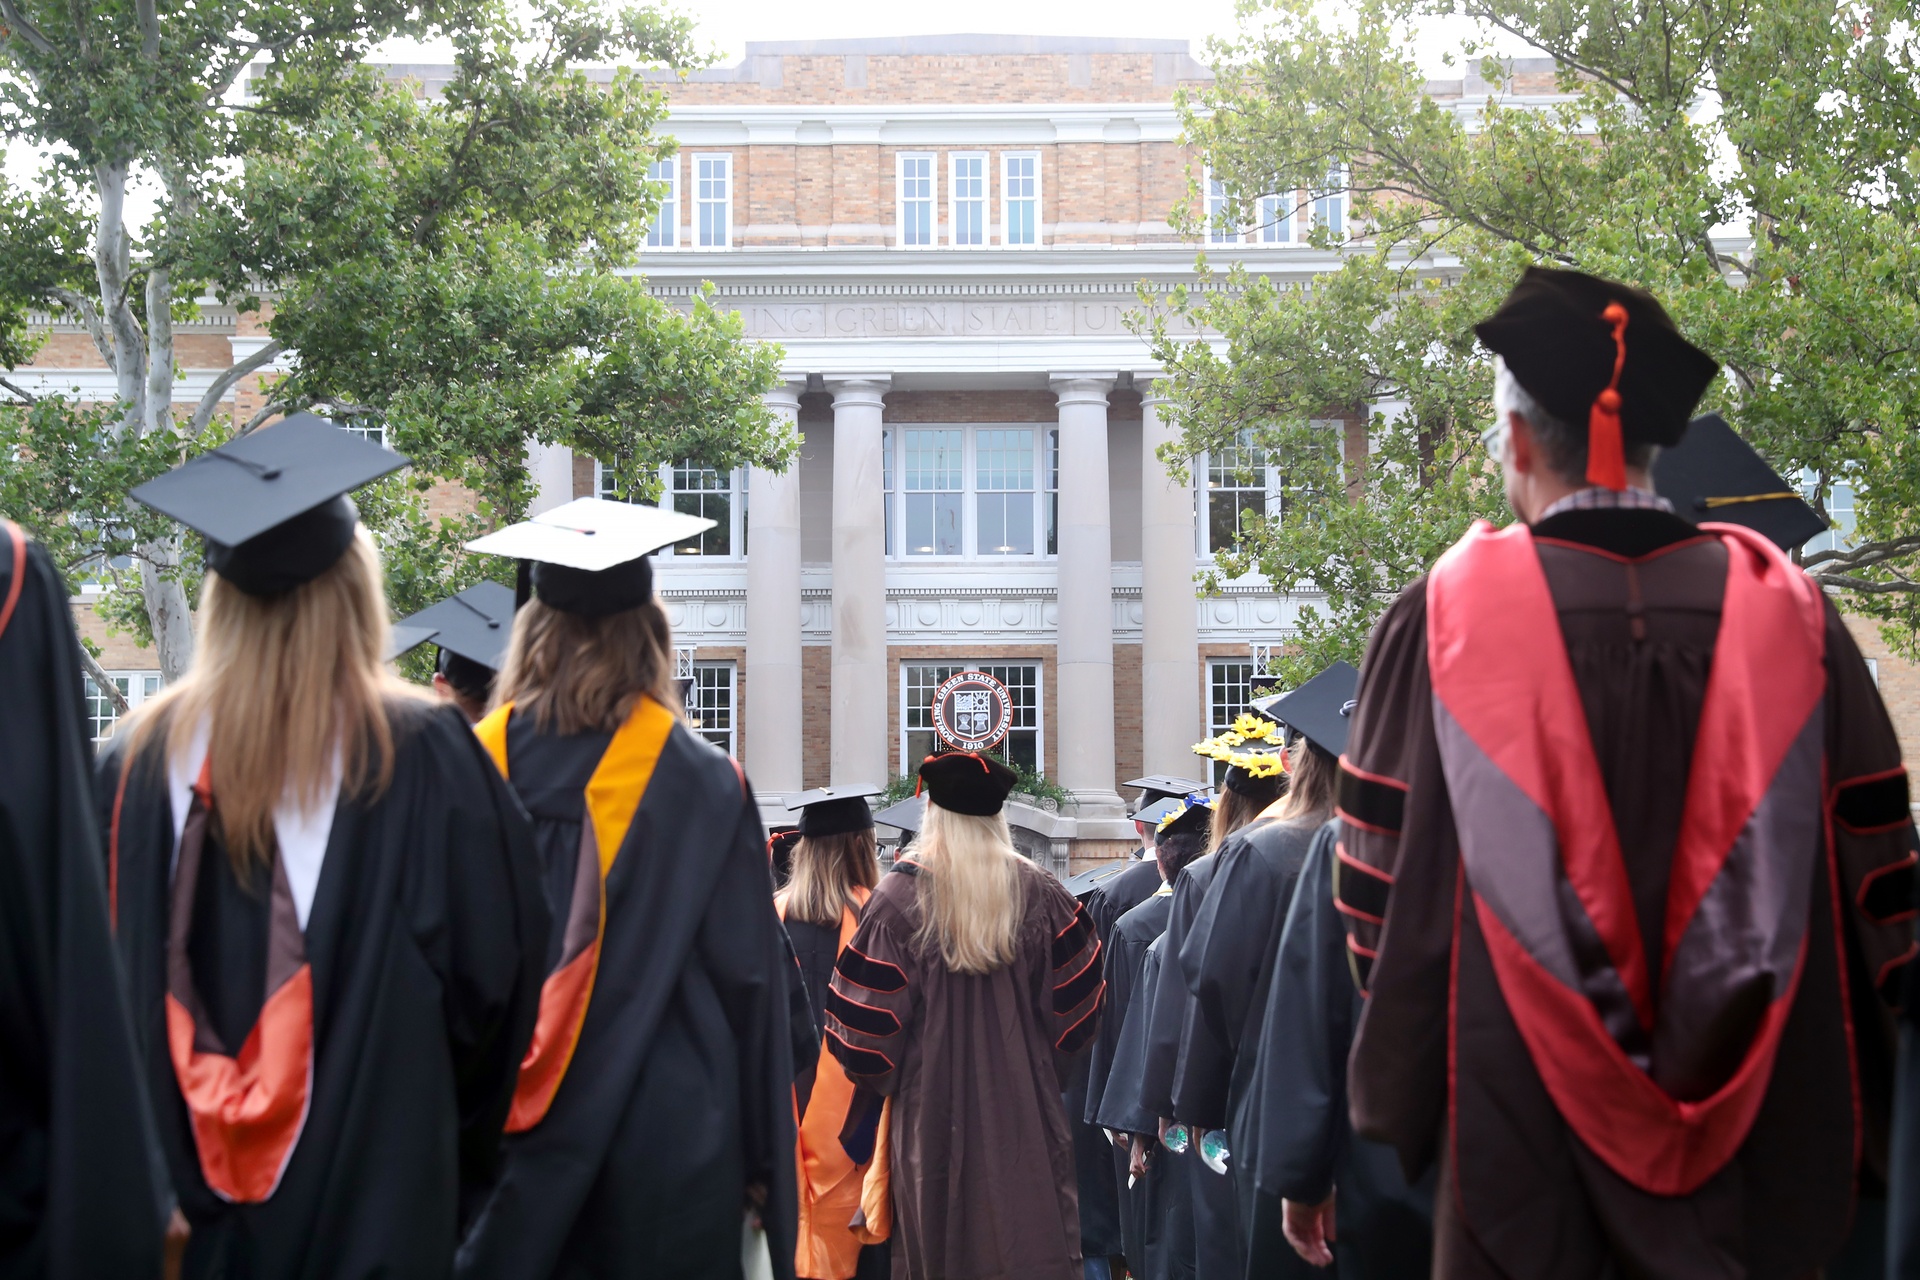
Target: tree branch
<point>210,402</point>
<point>103,682</point>
<point>1864,556</point>
<point>18,23</point>
<point>267,410</point>
<point>83,307</point>
<point>147,15</point>
<point>25,395</point>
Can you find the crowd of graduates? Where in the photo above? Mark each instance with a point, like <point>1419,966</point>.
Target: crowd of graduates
<point>1567,937</point>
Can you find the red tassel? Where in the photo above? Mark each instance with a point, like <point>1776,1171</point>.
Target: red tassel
<point>1606,447</point>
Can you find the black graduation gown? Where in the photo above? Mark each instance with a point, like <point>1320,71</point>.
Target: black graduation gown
<point>1178,1042</point>
<point>1156,1211</point>
<point>1903,1197</point>
<point>425,941</point>
<point>1227,960</point>
<point>678,1095</point>
<point>1102,1231</point>
<point>1307,1148</point>
<point>81,1190</point>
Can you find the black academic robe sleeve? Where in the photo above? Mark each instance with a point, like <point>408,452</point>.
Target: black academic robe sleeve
<point>480,916</point>
<point>81,1188</point>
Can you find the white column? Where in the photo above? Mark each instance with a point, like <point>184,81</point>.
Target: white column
<point>1170,630</point>
<point>1085,593</point>
<point>551,466</point>
<point>857,748</point>
<point>773,615</point>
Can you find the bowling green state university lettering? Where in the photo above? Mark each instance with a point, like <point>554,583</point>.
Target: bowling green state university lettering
<point>879,319</point>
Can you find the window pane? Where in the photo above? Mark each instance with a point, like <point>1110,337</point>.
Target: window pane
<point>969,200</point>
<point>1229,690</point>
<point>1276,220</point>
<point>1330,206</point>
<point>710,193</point>
<point>1023,199</point>
<point>886,483</point>
<point>666,223</point>
<point>1219,230</point>
<point>710,704</point>
<point>1236,489</point>
<point>916,200</point>
<point>1022,743</point>
<point>933,524</point>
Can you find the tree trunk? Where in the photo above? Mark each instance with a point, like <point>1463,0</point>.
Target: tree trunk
<point>167,608</point>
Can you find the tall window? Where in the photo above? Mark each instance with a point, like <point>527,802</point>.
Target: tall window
<point>1276,220</point>
<point>932,481</point>
<point>1330,204</point>
<point>687,487</point>
<point>1004,491</point>
<point>918,680</point>
<point>1229,690</point>
<point>1220,227</point>
<point>710,707</point>
<point>665,231</point>
<point>967,187</point>
<point>1236,495</point>
<point>1050,475</point>
<point>713,201</point>
<point>916,199</point>
<point>971,491</point>
<point>703,491</point>
<point>135,686</point>
<point>1840,513</point>
<point>1020,198</point>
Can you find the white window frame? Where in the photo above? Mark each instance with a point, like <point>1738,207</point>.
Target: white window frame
<point>1045,496</point>
<point>1202,474</point>
<point>666,220</point>
<point>953,198</point>
<point>1335,198</point>
<point>932,160</point>
<point>1214,202</point>
<point>731,733</point>
<point>1007,200</point>
<point>140,685</point>
<point>974,664</point>
<point>1278,213</point>
<point>736,508</point>
<point>700,203</point>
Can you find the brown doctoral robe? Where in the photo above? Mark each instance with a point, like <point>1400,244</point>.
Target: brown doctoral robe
<point>1518,1195</point>
<point>983,1167</point>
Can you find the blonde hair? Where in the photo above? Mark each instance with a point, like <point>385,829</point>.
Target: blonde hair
<point>1312,773</point>
<point>826,870</point>
<point>283,683</point>
<point>575,674</point>
<point>971,899</point>
<point>1232,811</point>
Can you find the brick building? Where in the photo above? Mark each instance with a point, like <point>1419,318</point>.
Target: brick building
<point>945,235</point>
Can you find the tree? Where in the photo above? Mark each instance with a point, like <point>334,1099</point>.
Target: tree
<point>445,264</point>
<point>1753,165</point>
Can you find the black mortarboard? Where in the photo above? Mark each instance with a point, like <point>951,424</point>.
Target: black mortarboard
<point>1712,474</point>
<point>1194,817</point>
<point>967,782</point>
<point>906,815</point>
<point>1158,786</point>
<point>1160,810</point>
<point>1558,342</point>
<point>404,638</point>
<point>590,555</point>
<point>832,811</point>
<point>1084,883</point>
<point>1319,710</point>
<point>475,624</point>
<point>272,504</point>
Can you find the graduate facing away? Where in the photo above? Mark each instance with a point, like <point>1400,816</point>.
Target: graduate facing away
<point>1623,857</point>
<point>973,982</point>
<point>654,1111</point>
<point>326,898</point>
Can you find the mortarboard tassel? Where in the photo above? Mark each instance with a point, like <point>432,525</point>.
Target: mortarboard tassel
<point>1606,449</point>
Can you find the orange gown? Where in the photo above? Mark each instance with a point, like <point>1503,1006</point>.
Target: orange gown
<point>834,1190</point>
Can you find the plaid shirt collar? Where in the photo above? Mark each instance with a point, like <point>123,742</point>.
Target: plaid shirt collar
<point>1599,499</point>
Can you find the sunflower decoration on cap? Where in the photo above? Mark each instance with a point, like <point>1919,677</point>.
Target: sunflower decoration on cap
<point>1254,744</point>
<point>1192,813</point>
